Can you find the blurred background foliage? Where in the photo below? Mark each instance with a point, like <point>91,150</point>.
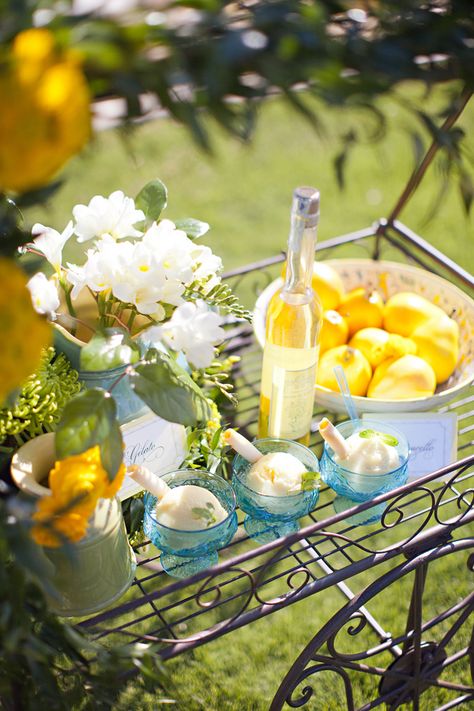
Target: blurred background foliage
<point>201,58</point>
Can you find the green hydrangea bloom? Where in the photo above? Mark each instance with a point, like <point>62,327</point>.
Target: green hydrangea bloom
<point>41,400</point>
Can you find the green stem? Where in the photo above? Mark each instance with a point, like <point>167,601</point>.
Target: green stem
<point>67,289</point>
<point>131,320</point>
<point>114,316</point>
<point>120,377</point>
<point>71,309</point>
<point>69,304</point>
<point>101,304</point>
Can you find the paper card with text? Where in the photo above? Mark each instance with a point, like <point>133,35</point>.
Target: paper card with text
<point>155,443</point>
<point>432,437</point>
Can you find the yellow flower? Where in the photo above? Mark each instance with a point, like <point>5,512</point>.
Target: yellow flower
<point>76,483</point>
<point>24,332</point>
<point>54,524</point>
<point>82,475</point>
<point>45,117</point>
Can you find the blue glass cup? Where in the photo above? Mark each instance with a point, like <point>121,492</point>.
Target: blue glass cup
<point>271,517</point>
<point>184,553</point>
<point>353,488</point>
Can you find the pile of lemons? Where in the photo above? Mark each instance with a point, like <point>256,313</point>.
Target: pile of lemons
<point>399,349</point>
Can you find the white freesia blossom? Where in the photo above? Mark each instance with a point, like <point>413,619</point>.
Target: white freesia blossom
<point>76,276</point>
<point>180,256</point>
<point>149,276</point>
<point>206,264</point>
<point>114,216</point>
<point>142,295</point>
<point>172,249</point>
<point>172,292</point>
<point>51,243</point>
<point>143,282</point>
<point>159,314</point>
<point>193,329</point>
<point>107,265</point>
<point>44,294</point>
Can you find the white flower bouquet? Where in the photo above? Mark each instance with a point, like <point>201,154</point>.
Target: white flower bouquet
<point>152,286</point>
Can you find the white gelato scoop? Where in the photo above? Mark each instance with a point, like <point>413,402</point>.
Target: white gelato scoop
<point>189,508</point>
<point>276,474</point>
<point>369,453</point>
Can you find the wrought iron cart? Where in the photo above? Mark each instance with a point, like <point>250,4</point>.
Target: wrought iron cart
<point>425,523</point>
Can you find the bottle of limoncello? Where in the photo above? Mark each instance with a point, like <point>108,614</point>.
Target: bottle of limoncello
<point>293,324</point>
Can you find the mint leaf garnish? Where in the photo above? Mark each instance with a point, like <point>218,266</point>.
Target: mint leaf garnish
<point>310,481</point>
<point>205,514</point>
<point>388,439</point>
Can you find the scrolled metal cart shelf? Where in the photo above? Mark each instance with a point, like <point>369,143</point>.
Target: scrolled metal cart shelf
<point>424,522</point>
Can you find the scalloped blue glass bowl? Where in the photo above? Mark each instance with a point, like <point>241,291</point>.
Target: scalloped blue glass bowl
<point>353,488</point>
<point>184,553</point>
<point>271,517</point>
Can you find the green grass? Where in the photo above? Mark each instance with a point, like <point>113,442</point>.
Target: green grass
<point>242,671</point>
<point>244,192</point>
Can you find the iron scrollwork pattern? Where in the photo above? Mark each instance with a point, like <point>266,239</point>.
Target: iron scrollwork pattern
<point>418,664</point>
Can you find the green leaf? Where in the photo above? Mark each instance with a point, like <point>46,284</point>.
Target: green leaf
<point>137,511</point>
<point>310,481</point>
<point>193,228</point>
<point>192,436</point>
<point>367,434</point>
<point>388,439</point>
<point>90,419</point>
<point>340,160</point>
<point>38,196</point>
<point>23,549</point>
<point>216,438</point>
<point>111,451</point>
<point>222,297</point>
<point>169,391</point>
<point>205,514</point>
<point>109,349</point>
<point>152,199</point>
<point>11,234</point>
<point>466,187</point>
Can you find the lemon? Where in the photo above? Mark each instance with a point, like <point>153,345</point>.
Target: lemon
<point>334,330</point>
<point>327,284</point>
<point>377,345</point>
<point>406,311</point>
<point>24,332</point>
<point>362,309</point>
<point>355,364</point>
<point>46,116</point>
<point>437,340</point>
<point>402,378</point>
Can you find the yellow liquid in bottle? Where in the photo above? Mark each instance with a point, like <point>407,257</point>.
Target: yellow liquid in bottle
<point>289,366</point>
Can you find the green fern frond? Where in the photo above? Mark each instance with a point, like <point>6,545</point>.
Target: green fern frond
<point>216,379</point>
<point>221,297</point>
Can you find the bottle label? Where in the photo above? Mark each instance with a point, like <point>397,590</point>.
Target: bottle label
<point>288,381</point>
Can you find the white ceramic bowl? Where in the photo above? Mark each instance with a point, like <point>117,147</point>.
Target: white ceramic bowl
<point>389,278</point>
